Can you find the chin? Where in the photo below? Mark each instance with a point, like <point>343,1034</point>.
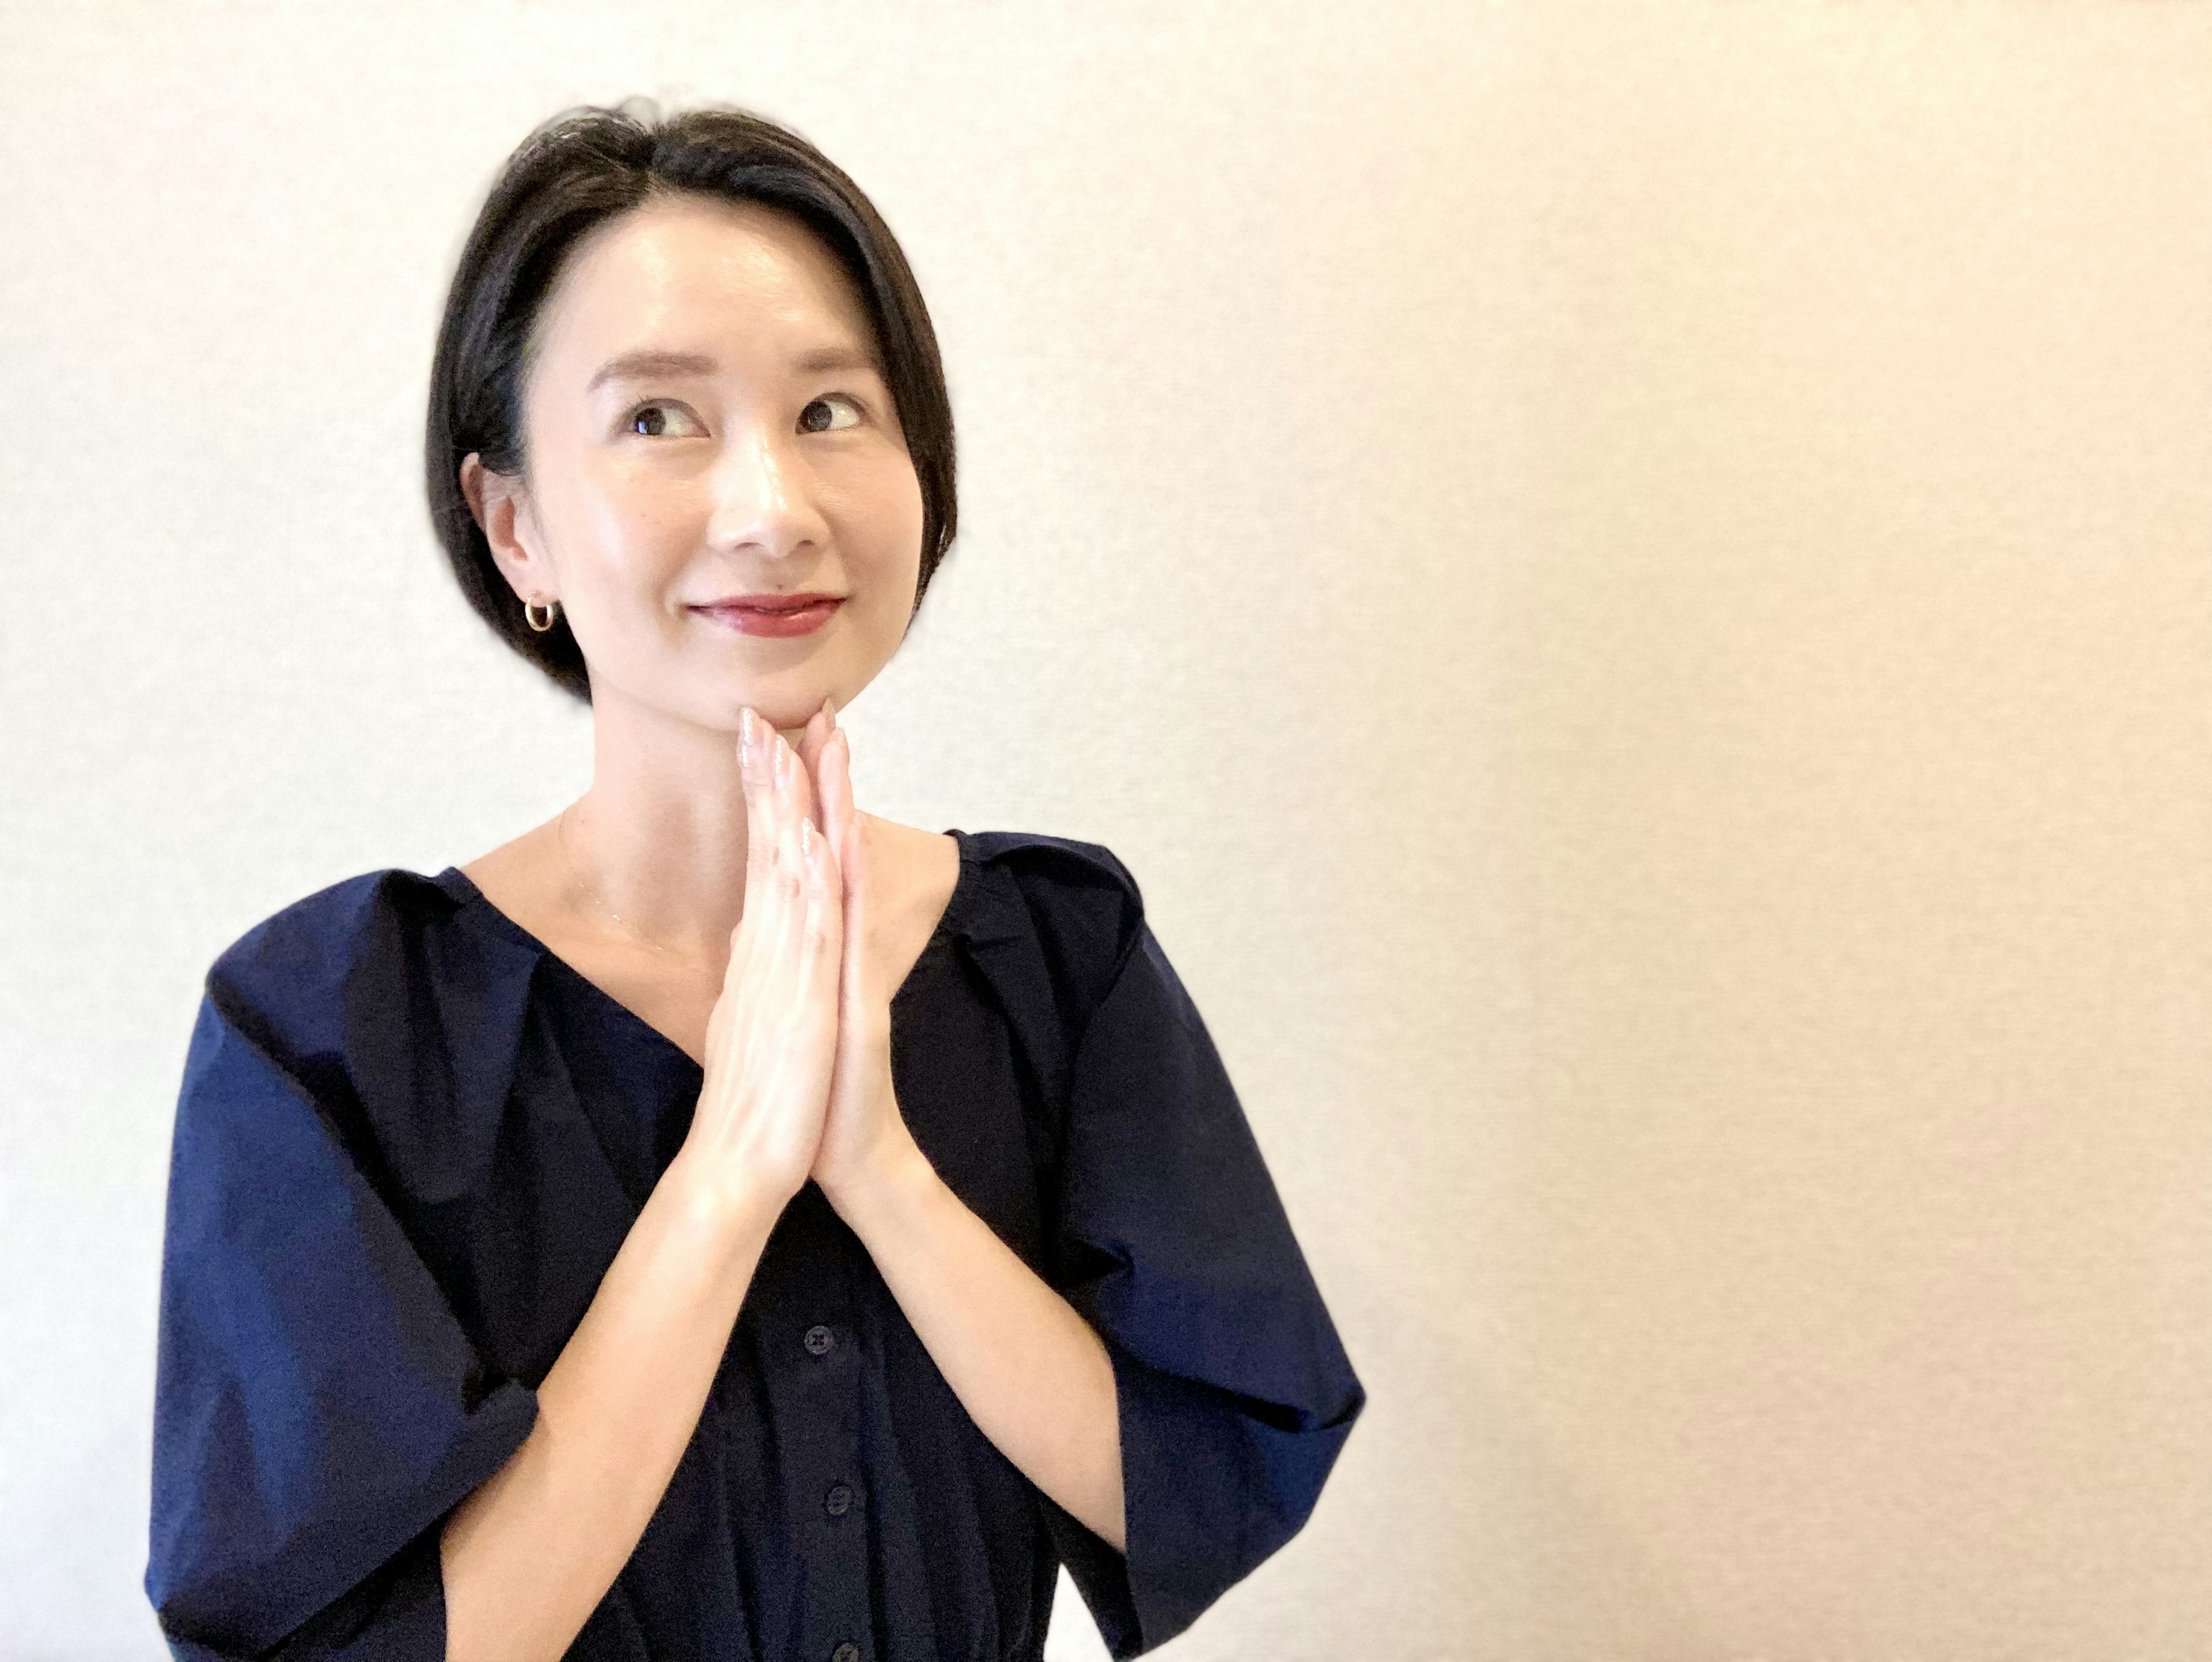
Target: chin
<point>780,709</point>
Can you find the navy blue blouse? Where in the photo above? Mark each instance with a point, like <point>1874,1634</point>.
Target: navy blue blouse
<point>410,1140</point>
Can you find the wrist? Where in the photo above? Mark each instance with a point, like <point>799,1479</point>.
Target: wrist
<point>734,1214</point>
<point>895,1178</point>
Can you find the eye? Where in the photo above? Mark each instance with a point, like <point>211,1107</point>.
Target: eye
<point>822,415</point>
<point>664,421</point>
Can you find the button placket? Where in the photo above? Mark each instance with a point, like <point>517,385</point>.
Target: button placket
<point>840,1622</point>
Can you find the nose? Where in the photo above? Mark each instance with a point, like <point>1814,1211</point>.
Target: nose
<point>764,496</point>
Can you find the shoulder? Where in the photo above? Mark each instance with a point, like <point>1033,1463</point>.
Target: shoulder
<point>326,933</point>
<point>393,1001</point>
<point>1057,866</point>
<point>1079,899</point>
<point>287,979</point>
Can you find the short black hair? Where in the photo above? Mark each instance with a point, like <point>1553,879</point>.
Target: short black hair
<point>576,171</point>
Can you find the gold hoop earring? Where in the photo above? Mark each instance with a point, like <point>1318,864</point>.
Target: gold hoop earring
<point>530,614</point>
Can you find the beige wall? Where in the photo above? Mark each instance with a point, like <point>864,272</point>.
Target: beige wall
<point>1632,580</point>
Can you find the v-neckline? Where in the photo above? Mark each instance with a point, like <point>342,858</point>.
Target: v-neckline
<point>463,887</point>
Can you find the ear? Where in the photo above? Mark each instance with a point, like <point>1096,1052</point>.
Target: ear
<point>500,504</point>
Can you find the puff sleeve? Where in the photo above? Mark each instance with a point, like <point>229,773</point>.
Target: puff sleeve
<point>1235,1395</point>
<point>318,1408</point>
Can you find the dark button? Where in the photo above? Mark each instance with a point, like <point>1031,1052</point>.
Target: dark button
<point>848,1652</point>
<point>838,1501</point>
<point>820,1340</point>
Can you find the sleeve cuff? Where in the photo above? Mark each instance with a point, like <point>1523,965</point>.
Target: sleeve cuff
<point>393,1608</point>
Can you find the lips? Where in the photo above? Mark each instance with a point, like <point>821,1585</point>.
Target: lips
<point>772,602</point>
<point>773,614</point>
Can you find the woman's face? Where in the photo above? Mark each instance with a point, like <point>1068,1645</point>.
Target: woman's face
<point>705,419</point>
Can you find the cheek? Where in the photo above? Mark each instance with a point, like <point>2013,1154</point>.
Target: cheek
<point>651,504</point>
<point>901,557</point>
<point>876,516</point>
<point>894,513</point>
<point>622,523</point>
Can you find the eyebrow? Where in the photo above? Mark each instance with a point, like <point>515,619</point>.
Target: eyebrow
<point>839,357</point>
<point>637,366</point>
<point>646,363</point>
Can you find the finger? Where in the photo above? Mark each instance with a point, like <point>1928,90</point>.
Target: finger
<point>813,943</point>
<point>800,836</point>
<point>821,727</point>
<point>812,736</point>
<point>782,873</point>
<point>748,977</point>
<point>844,832</point>
<point>855,990</point>
<point>824,805</point>
<point>775,826</point>
<point>790,881</point>
<point>825,921</point>
<point>834,770</point>
<point>753,759</point>
<point>802,790</point>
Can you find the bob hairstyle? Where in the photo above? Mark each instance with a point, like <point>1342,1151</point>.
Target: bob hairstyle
<point>578,170</point>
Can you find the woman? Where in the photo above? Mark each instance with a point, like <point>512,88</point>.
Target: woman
<point>719,1222</point>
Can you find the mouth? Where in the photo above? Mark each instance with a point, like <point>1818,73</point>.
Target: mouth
<point>773,614</point>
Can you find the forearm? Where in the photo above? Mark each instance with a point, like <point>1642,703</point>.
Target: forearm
<point>1031,1371</point>
<point>530,1553</point>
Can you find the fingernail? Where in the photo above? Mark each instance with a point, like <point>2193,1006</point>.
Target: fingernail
<point>745,741</point>
<point>808,843</point>
<point>829,709</point>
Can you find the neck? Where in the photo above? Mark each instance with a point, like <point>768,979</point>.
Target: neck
<point>657,842</point>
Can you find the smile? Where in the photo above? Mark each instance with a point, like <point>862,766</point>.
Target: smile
<point>802,620</point>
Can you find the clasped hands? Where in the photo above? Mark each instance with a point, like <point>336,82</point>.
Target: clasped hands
<point>797,1072</point>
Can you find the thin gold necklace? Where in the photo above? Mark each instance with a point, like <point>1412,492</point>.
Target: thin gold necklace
<point>575,872</point>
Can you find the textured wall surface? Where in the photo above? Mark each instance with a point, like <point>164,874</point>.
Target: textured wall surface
<point>1632,580</point>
